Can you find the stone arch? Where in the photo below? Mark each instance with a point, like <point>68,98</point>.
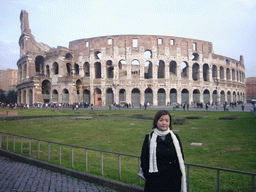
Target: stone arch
<point>76,69</point>
<point>149,96</point>
<point>109,96</point>
<point>135,97</point>
<point>86,69</point>
<point>184,96</point>
<point>215,97</point>
<point>234,97</point>
<point>122,68</point>
<point>148,71</point>
<point>221,72</point>
<point>206,96</point>
<point>98,99</point>
<point>196,96</point>
<point>228,74</point>
<point>206,72</point>
<point>55,96</point>
<point>97,68</point>
<point>222,96</point>
<point>135,71</point>
<point>109,69</point>
<point>69,69</point>
<point>147,54</point>
<point>160,69</point>
<point>55,68</point>
<point>173,68</point>
<point>39,62</point>
<point>228,96</point>
<point>195,71</point>
<point>214,71</point>
<point>173,96</point>
<point>184,69</point>
<point>161,97</point>
<point>195,57</point>
<point>68,56</point>
<point>97,55</point>
<point>79,90</point>
<point>46,91</point>
<point>65,96</point>
<point>87,97</point>
<point>122,96</point>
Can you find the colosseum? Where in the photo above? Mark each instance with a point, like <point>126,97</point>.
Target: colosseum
<point>126,69</point>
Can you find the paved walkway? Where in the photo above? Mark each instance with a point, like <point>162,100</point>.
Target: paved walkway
<point>17,176</point>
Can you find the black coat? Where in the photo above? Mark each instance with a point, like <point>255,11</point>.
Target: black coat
<point>168,177</point>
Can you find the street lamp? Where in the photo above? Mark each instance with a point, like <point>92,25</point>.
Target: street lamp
<point>216,80</point>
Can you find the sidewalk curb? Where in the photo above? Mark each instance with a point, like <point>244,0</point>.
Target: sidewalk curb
<point>83,176</point>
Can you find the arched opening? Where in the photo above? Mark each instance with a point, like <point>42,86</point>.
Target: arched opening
<point>206,96</point>
<point>221,73</point>
<point>214,97</point>
<point>135,68</point>
<point>173,68</point>
<point>161,97</point>
<point>76,69</point>
<point>109,96</point>
<point>65,96</point>
<point>55,68</point>
<point>87,99</point>
<point>184,96</point>
<point>86,69</point>
<point>97,68</point>
<point>184,69</point>
<point>148,70</point>
<point>228,74</point>
<point>229,97</point>
<point>55,98</point>
<point>97,94</point>
<point>149,96</point>
<point>47,71</point>
<point>122,68</point>
<point>69,69</point>
<point>195,57</point>
<point>97,55</point>
<point>46,90</point>
<point>135,97</point>
<point>234,96</point>
<point>30,93</point>
<point>110,69</point>
<point>24,97</point>
<point>222,97</point>
<point>160,69</point>
<point>214,71</point>
<point>196,96</point>
<point>148,54</point>
<point>122,97</point>
<point>68,56</point>
<point>173,96</point>
<point>39,62</point>
<point>195,72</point>
<point>206,72</point>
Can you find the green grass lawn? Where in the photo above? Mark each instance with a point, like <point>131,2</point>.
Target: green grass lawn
<point>226,143</point>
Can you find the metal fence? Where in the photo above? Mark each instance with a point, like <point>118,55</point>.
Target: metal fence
<point>188,165</point>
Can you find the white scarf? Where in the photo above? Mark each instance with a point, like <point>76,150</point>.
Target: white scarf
<point>152,155</point>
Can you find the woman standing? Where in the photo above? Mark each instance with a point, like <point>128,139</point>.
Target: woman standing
<point>162,159</point>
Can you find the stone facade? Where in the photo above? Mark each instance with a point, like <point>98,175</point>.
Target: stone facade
<point>8,79</point>
<point>251,88</point>
<point>132,69</point>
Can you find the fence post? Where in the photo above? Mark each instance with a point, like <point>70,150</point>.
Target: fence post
<point>60,153</point>
<point>14,144</point>
<point>218,180</point>
<point>38,149</point>
<point>119,167</point>
<point>86,160</point>
<point>21,143</point>
<point>72,157</point>
<point>29,147</point>
<point>101,154</point>
<point>0,140</point>
<point>139,169</point>
<point>188,182</point>
<point>48,152</point>
<point>7,142</point>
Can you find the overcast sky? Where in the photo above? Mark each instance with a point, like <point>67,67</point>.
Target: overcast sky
<point>229,24</point>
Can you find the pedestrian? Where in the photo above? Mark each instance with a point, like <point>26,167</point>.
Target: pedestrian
<point>242,107</point>
<point>162,159</point>
<point>206,106</point>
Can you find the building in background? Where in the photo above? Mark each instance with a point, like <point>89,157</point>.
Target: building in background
<point>250,88</point>
<point>126,69</point>
<point>8,79</point>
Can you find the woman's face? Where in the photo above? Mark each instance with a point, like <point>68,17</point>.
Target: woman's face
<point>163,123</point>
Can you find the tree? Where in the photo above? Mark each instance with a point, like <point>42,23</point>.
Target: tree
<point>12,97</point>
<point>2,96</point>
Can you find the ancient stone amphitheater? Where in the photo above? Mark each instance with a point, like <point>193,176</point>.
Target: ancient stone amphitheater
<point>132,69</point>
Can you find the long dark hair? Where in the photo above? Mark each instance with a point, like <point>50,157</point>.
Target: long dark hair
<point>157,117</point>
